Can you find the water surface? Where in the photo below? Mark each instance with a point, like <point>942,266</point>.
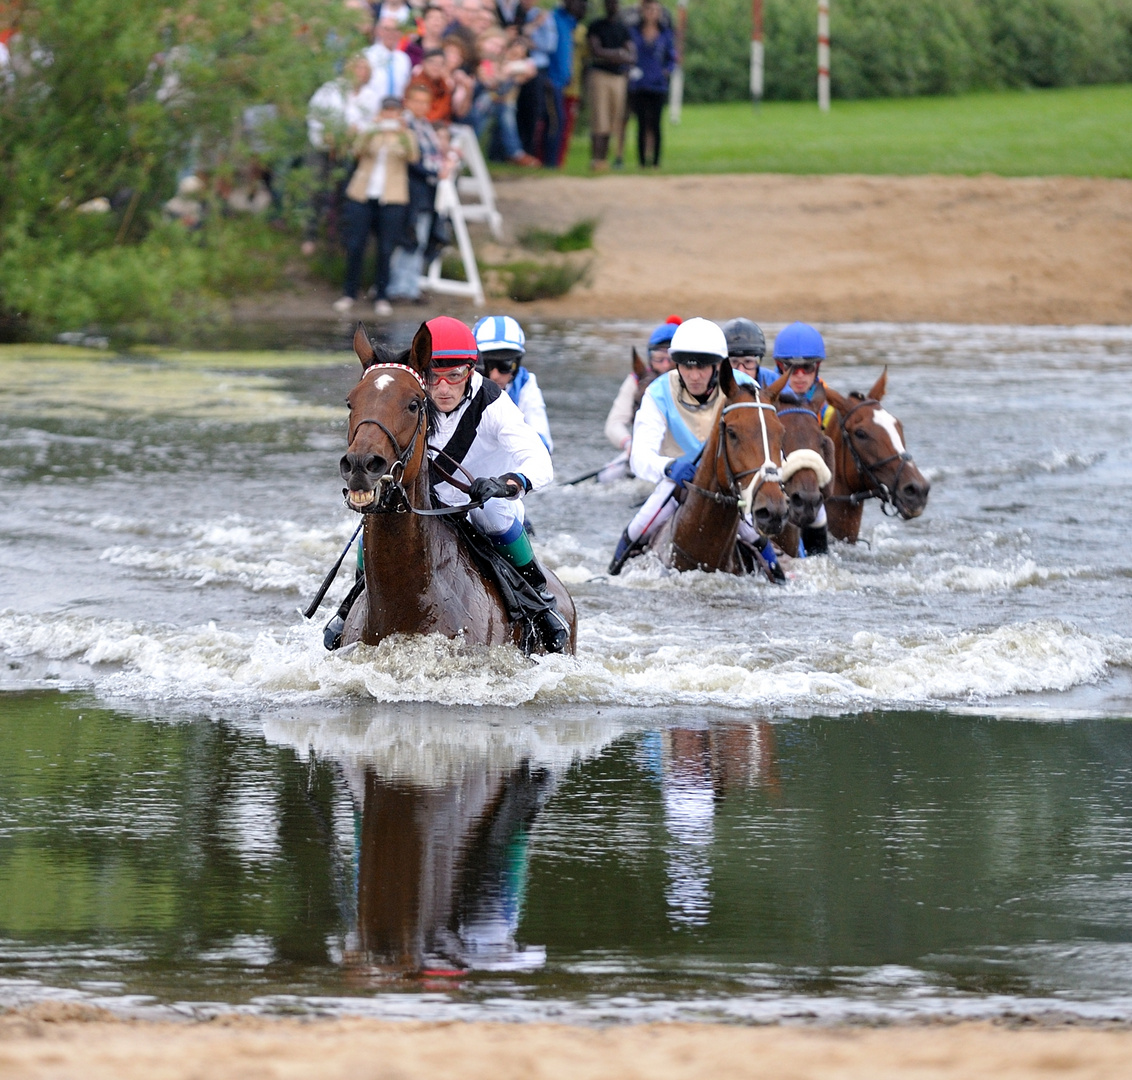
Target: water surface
<point>897,786</point>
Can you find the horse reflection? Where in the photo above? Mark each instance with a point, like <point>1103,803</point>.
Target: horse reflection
<point>442,870</point>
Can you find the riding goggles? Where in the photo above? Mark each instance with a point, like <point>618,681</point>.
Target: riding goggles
<point>506,363</point>
<point>808,367</point>
<point>696,360</point>
<point>453,376</point>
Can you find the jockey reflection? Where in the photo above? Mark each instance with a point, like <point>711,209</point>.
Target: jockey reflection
<point>696,769</point>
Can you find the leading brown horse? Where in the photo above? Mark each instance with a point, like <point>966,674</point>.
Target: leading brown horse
<point>871,462</point>
<point>420,576</point>
<point>738,472</point>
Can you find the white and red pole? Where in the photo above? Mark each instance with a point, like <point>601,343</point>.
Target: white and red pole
<point>823,55</point>
<point>757,50</point>
<point>676,83</point>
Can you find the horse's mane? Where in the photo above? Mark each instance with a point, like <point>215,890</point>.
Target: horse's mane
<point>385,354</point>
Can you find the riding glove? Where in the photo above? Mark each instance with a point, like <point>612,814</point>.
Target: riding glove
<point>496,487</point>
<point>681,470</point>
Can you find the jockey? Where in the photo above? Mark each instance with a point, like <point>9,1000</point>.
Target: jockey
<point>746,346</point>
<point>800,349</point>
<point>502,344</point>
<point>672,424</point>
<point>480,427</point>
<point>619,422</point>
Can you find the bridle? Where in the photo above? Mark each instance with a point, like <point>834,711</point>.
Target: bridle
<point>803,457</point>
<point>878,489</point>
<point>767,472</point>
<point>391,494</point>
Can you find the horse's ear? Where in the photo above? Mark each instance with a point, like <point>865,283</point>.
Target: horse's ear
<point>841,404</point>
<point>638,364</point>
<point>727,381</point>
<point>777,387</point>
<point>420,352</point>
<point>879,387</point>
<point>364,347</point>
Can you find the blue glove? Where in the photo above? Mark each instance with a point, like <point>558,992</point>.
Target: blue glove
<point>681,470</point>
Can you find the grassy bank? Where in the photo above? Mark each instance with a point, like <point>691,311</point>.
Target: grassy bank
<point>1081,131</point>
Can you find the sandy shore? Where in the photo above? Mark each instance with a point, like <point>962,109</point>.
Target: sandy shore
<point>237,1048</point>
<point>824,248</point>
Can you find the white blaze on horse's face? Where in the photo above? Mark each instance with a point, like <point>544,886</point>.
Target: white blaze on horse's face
<point>382,381</point>
<point>887,421</point>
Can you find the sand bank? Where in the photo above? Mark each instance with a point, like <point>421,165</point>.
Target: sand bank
<point>33,1048</point>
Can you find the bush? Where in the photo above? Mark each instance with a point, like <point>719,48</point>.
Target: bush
<point>527,281</point>
<point>579,237</point>
<point>116,101</point>
<point>897,48</point>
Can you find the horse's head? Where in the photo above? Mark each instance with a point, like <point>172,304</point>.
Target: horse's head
<point>645,375</point>
<point>389,418</point>
<point>807,464</point>
<point>749,455</point>
<point>875,442</point>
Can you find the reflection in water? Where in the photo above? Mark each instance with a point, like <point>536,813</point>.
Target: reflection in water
<point>442,871</point>
<point>697,767</point>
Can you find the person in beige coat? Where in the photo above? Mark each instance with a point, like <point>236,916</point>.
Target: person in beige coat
<point>377,201</point>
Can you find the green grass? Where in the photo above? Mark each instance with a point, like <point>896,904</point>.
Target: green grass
<point>579,237</point>
<point>1082,131</point>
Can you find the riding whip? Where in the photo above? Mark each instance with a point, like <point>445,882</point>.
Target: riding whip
<point>316,603</point>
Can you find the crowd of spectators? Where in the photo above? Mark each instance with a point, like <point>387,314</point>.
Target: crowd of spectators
<point>513,72</point>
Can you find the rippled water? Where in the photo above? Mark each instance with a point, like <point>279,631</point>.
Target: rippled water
<point>899,785</point>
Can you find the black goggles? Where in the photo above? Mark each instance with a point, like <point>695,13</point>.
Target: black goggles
<point>506,363</point>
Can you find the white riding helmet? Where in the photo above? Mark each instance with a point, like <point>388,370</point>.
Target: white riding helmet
<point>496,332</point>
<point>698,343</point>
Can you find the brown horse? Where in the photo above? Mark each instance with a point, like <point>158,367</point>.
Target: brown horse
<point>746,447</point>
<point>420,576</point>
<point>807,470</point>
<point>871,462</point>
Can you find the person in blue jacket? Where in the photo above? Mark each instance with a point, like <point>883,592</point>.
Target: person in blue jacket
<point>648,80</point>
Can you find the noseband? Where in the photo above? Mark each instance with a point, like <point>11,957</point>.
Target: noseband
<point>878,489</point>
<point>803,457</point>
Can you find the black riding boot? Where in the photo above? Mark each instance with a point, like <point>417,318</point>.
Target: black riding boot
<point>625,550</point>
<point>552,628</point>
<point>332,635</point>
<point>815,539</point>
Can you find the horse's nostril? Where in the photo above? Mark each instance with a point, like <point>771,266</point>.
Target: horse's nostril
<point>345,468</point>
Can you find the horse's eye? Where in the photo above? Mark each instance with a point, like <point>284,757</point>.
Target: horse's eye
<point>413,405</point>
<point>733,435</point>
<point>861,433</point>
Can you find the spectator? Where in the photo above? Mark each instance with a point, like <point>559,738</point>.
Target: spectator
<point>338,110</point>
<point>461,79</point>
<point>648,81</point>
<point>408,259</point>
<point>391,66</point>
<point>432,73</point>
<point>560,75</point>
<point>541,31</point>
<point>396,10</point>
<point>612,50</point>
<point>377,199</point>
<point>503,69</point>
<point>431,37</point>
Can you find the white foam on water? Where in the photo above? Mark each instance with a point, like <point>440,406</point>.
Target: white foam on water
<point>616,665</point>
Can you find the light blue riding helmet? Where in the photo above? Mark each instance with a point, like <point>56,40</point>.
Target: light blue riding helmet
<point>799,341</point>
<point>494,333</point>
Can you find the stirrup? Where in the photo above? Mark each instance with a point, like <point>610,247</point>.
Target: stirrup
<point>625,550</point>
<point>553,630</point>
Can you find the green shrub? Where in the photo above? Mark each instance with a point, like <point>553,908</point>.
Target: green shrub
<point>579,237</point>
<point>898,48</point>
<point>529,280</point>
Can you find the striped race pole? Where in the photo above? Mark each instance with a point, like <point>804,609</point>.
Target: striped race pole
<point>823,55</point>
<point>757,50</point>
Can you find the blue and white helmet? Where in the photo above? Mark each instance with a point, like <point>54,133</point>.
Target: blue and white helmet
<point>495,333</point>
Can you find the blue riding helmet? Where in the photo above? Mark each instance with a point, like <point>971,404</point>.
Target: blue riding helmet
<point>799,341</point>
<point>661,336</point>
